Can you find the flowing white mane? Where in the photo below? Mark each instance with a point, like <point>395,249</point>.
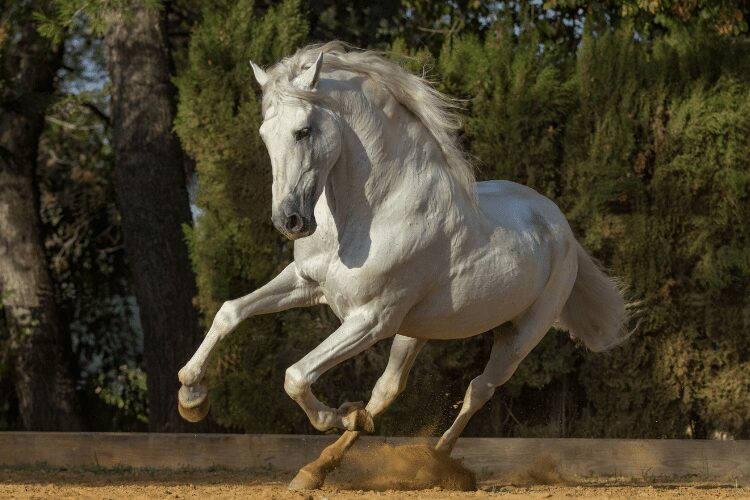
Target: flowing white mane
<point>435,110</point>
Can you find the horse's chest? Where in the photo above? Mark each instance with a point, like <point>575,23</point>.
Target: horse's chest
<point>375,271</point>
<point>344,287</point>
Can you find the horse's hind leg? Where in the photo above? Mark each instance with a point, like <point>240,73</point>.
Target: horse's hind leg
<point>313,475</point>
<point>513,342</point>
<point>404,351</point>
<point>499,368</point>
<point>392,382</point>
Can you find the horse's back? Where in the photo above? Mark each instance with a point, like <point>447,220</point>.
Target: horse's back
<point>514,206</point>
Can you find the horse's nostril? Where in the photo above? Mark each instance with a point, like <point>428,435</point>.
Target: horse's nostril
<point>294,223</point>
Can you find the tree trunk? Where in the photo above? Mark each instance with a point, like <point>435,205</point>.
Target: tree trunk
<point>40,347</point>
<point>153,199</point>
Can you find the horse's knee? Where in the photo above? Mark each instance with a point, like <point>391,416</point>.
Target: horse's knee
<point>294,383</point>
<point>226,318</point>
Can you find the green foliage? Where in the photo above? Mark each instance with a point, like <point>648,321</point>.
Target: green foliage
<point>84,249</point>
<point>57,17</point>
<point>234,247</point>
<point>644,144</point>
<point>362,23</point>
<point>664,154</point>
<point>725,17</point>
<point>127,396</point>
<point>519,100</point>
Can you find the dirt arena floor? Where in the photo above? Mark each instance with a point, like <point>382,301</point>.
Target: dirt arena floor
<point>383,472</point>
<point>123,483</point>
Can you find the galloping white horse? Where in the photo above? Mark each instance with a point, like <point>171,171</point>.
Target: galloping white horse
<point>392,232</point>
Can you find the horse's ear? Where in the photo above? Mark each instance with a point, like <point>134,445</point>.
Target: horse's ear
<point>260,75</point>
<point>309,79</point>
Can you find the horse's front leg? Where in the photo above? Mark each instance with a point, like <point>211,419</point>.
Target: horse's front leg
<point>404,351</point>
<point>285,291</point>
<point>359,331</point>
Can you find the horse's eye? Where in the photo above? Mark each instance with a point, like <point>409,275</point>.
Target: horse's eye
<point>301,133</point>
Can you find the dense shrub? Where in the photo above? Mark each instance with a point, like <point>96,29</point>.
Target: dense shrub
<point>646,147</point>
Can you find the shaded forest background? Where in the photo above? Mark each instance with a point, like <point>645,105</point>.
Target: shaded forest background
<point>135,199</point>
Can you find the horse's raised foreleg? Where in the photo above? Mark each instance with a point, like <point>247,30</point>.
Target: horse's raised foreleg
<point>404,351</point>
<point>358,332</point>
<point>285,291</point>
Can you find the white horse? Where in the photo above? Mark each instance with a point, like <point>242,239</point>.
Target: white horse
<point>392,232</point>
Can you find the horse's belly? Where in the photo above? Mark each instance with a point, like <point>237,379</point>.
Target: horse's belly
<point>476,302</point>
<point>473,320</point>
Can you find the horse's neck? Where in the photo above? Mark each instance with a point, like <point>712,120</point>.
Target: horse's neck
<point>387,155</point>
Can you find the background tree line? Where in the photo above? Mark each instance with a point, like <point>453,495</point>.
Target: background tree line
<point>135,199</point>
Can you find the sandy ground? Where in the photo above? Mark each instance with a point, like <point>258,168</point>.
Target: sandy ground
<point>104,484</point>
<point>383,472</point>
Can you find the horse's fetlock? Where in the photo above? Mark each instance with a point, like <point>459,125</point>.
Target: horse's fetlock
<point>189,375</point>
<point>323,421</point>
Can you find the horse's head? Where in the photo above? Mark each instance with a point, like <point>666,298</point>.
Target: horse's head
<point>304,142</point>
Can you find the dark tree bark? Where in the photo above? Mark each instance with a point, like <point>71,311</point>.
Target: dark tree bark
<point>40,349</point>
<point>153,199</point>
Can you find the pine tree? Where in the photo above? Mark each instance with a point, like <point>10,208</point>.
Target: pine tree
<point>643,144</point>
<point>645,147</point>
<point>152,194</point>
<point>234,246</point>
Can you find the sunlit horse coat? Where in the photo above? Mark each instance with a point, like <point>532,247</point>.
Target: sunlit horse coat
<point>392,232</point>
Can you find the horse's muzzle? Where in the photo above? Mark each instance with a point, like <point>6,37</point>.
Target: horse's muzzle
<point>292,223</point>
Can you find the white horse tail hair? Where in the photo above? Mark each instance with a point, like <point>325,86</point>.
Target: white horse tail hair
<point>596,312</point>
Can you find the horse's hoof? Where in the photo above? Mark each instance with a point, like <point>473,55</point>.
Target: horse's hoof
<point>358,419</point>
<point>305,480</point>
<point>196,413</point>
<point>192,402</point>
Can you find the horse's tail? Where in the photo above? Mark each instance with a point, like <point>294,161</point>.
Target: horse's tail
<point>596,311</point>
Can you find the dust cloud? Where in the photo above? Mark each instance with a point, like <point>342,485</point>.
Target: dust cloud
<point>383,467</point>
<point>545,470</point>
